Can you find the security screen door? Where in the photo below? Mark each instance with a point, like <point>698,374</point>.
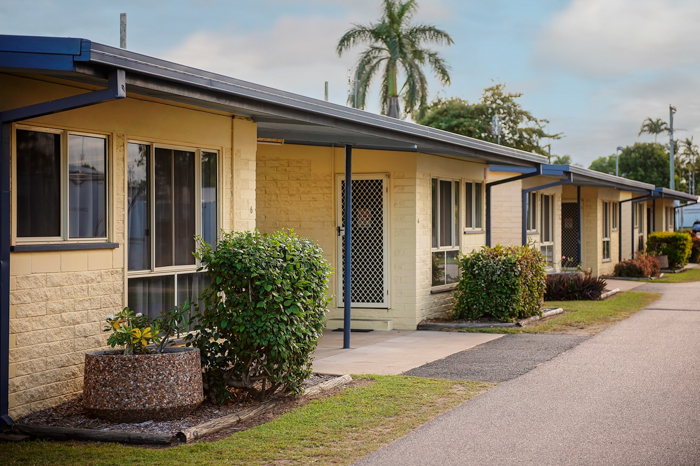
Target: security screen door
<point>569,234</point>
<point>370,252</point>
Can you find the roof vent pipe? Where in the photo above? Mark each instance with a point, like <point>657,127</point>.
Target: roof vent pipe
<point>122,30</point>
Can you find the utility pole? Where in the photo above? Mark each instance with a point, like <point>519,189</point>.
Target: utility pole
<point>617,160</point>
<point>122,30</point>
<point>671,111</point>
<point>326,93</point>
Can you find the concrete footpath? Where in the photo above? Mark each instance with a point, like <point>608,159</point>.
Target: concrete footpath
<point>389,353</point>
<point>629,395</point>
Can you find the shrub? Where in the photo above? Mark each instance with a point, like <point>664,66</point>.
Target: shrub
<point>643,266</point>
<point>676,246</point>
<point>695,251</point>
<point>262,315</point>
<point>505,283</point>
<point>573,287</point>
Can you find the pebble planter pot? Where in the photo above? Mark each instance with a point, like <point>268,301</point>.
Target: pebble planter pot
<point>142,387</point>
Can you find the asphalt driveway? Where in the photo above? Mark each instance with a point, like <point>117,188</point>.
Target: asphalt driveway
<point>499,360</point>
<point>627,396</point>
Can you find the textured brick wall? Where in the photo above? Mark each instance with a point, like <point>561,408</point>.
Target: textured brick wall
<point>57,314</point>
<point>59,300</point>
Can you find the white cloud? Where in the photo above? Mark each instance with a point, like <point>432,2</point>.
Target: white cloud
<point>619,37</point>
<point>294,54</point>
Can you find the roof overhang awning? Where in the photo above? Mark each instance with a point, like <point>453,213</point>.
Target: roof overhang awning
<point>584,177</point>
<point>279,115</point>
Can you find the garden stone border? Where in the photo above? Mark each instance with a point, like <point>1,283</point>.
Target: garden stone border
<point>185,436</point>
<point>465,325</point>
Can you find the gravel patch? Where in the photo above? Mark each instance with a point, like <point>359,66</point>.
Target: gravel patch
<point>499,360</point>
<point>71,414</point>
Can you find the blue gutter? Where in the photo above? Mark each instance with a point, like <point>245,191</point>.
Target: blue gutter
<point>568,180</point>
<point>116,90</point>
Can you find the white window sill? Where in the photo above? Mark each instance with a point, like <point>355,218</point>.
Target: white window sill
<point>443,288</point>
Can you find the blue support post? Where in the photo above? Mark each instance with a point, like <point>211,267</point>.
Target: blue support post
<point>569,179</point>
<point>5,419</point>
<point>116,89</point>
<point>348,247</point>
<point>530,173</point>
<point>580,225</point>
<point>524,204</point>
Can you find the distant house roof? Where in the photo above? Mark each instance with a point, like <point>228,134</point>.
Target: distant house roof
<point>585,177</point>
<point>675,195</point>
<point>278,114</point>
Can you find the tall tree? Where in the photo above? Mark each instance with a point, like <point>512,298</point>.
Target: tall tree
<point>690,153</point>
<point>396,44</point>
<point>654,127</point>
<point>519,128</point>
<point>644,161</point>
<point>561,160</point>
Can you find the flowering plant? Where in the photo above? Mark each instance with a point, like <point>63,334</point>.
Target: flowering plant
<point>136,331</point>
<point>132,331</point>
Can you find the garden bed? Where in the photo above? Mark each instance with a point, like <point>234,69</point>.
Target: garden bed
<point>70,421</point>
<point>483,323</point>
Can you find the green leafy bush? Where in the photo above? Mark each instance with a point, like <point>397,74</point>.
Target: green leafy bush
<point>573,287</point>
<point>503,282</point>
<point>263,313</point>
<point>644,266</point>
<point>676,246</point>
<point>695,251</point>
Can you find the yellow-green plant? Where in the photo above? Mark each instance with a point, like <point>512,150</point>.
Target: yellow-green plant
<point>132,331</point>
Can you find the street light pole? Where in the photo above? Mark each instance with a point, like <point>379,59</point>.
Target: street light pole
<point>617,160</point>
<point>671,111</point>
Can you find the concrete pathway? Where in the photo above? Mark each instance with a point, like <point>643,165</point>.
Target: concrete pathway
<point>390,353</point>
<point>629,395</point>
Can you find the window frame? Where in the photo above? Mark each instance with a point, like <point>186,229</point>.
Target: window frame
<point>476,207</point>
<point>436,208</point>
<point>641,211</point>
<point>173,270</point>
<point>531,222</point>
<point>615,215</point>
<point>64,214</point>
<point>606,227</point>
<point>549,229</point>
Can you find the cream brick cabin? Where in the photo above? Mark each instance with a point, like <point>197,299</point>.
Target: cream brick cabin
<point>111,161</point>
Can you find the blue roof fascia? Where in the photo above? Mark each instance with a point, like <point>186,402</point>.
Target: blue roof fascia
<point>511,169</point>
<point>42,53</point>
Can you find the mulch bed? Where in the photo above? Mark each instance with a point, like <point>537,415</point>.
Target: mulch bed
<point>70,414</point>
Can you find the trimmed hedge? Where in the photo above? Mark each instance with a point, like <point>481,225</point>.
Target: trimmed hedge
<point>695,251</point>
<point>503,282</point>
<point>676,246</point>
<point>644,266</point>
<point>262,314</point>
<point>573,287</point>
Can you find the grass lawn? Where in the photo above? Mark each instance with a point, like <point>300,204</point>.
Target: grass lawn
<point>586,317</point>
<point>337,430</point>
<point>690,275</point>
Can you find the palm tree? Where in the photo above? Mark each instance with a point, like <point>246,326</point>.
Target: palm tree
<point>396,45</point>
<point>561,160</point>
<point>691,154</point>
<point>654,127</point>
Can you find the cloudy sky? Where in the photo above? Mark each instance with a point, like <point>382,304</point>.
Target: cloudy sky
<point>594,68</point>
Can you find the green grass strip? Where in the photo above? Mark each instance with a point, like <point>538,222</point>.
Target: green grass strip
<point>335,430</point>
<point>586,316</point>
<point>690,275</point>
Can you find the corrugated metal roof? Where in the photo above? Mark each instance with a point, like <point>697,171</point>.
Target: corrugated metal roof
<point>295,118</point>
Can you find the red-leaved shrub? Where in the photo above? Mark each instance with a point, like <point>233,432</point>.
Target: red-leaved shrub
<point>644,266</point>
